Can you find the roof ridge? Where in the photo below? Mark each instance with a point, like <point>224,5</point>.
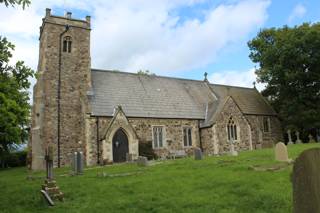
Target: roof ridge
<point>137,74</point>
<point>167,77</point>
<point>239,87</point>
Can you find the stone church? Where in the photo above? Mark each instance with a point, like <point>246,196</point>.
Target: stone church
<point>112,115</point>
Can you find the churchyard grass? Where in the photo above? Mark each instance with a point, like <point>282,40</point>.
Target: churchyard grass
<point>215,184</point>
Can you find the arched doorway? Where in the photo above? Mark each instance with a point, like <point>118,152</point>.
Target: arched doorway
<point>120,146</point>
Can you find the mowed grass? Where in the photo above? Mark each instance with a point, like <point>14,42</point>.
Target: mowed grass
<point>215,184</point>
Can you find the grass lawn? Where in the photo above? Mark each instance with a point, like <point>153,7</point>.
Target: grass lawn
<point>215,184</point>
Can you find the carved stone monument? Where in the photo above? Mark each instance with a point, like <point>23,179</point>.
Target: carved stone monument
<point>289,137</point>
<point>142,161</point>
<point>232,151</point>
<point>281,152</point>
<point>298,141</point>
<point>50,190</point>
<point>197,154</point>
<point>77,163</point>
<point>306,182</point>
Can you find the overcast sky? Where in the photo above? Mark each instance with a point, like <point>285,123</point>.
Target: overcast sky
<point>182,38</point>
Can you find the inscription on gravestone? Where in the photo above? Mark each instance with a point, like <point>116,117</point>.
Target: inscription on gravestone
<point>306,182</point>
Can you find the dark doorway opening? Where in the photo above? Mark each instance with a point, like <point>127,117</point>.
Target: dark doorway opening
<point>120,146</point>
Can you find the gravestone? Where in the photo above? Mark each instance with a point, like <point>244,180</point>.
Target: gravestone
<point>298,141</point>
<point>197,154</point>
<point>281,152</point>
<point>77,163</point>
<point>311,139</point>
<point>289,137</point>
<point>306,182</point>
<point>232,151</point>
<point>129,157</point>
<point>142,161</point>
<point>50,190</point>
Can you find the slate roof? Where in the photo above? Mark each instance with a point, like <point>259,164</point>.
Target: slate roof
<point>165,97</point>
<point>148,96</point>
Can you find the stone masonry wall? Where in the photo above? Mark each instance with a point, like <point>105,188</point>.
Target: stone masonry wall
<point>75,81</point>
<point>219,131</point>
<point>173,135</point>
<point>263,139</point>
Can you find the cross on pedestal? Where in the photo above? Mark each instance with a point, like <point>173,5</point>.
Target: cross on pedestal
<point>232,151</point>
<point>49,162</point>
<point>50,190</point>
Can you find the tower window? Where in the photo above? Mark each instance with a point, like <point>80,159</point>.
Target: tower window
<point>67,44</point>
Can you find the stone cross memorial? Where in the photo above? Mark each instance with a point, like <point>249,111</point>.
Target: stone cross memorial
<point>298,141</point>
<point>306,182</point>
<point>232,151</point>
<point>289,137</point>
<point>197,154</point>
<point>281,152</point>
<point>50,190</point>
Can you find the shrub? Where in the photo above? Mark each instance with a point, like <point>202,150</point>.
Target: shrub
<point>145,149</point>
<point>13,159</point>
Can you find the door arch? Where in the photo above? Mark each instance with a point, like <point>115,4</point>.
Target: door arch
<point>120,146</point>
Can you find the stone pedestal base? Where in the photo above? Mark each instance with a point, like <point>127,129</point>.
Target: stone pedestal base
<point>52,190</point>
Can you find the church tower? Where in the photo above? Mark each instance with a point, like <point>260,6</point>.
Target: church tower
<point>60,94</point>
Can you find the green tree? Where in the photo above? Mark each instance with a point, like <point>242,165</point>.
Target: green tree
<point>14,97</point>
<point>289,64</point>
<point>24,3</point>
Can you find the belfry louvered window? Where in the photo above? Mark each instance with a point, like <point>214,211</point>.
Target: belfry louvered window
<point>232,130</point>
<point>67,42</point>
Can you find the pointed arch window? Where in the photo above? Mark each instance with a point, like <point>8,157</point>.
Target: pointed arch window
<point>67,42</point>
<point>232,130</point>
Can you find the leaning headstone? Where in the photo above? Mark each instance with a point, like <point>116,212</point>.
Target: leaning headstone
<point>289,137</point>
<point>142,161</point>
<point>298,141</point>
<point>306,182</point>
<point>281,152</point>
<point>197,154</point>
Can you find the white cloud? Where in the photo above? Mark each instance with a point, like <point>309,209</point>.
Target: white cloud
<point>298,12</point>
<point>130,38</point>
<point>236,78</point>
<point>141,34</point>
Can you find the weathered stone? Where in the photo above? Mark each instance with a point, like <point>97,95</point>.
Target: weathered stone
<point>289,137</point>
<point>74,83</point>
<point>306,182</point>
<point>281,152</point>
<point>47,197</point>
<point>298,141</point>
<point>142,161</point>
<point>197,154</point>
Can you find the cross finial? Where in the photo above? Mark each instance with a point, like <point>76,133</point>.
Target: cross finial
<point>205,76</point>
